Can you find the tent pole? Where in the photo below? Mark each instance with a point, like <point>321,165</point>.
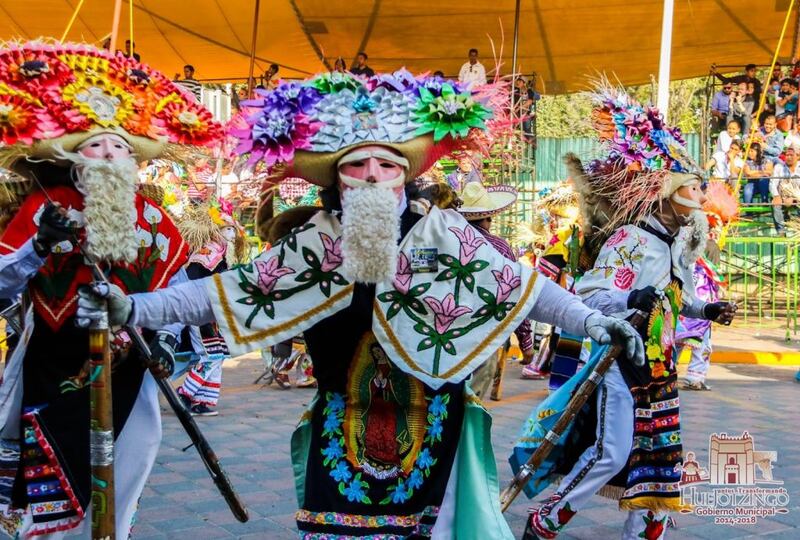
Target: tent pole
<point>250,79</point>
<point>666,58</point>
<point>796,40</point>
<point>514,56</point>
<point>112,48</point>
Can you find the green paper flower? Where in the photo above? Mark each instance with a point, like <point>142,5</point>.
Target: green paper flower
<point>448,114</point>
<point>331,83</point>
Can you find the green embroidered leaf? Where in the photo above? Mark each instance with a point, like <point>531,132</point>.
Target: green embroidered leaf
<point>449,347</point>
<point>248,301</point>
<point>425,344</point>
<point>308,275</point>
<point>269,310</point>
<point>420,289</point>
<point>325,287</point>
<point>449,261</point>
<point>483,312</point>
<point>388,296</point>
<point>338,279</point>
<point>249,288</point>
<point>486,295</point>
<point>469,282</point>
<point>424,329</point>
<point>393,310</point>
<point>477,265</point>
<point>446,275</point>
<point>417,306</point>
<point>311,258</point>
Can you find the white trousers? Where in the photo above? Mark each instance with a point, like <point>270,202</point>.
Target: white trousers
<point>700,360</point>
<point>598,464</point>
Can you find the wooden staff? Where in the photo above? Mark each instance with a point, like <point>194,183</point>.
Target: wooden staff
<point>101,432</point>
<point>576,403</point>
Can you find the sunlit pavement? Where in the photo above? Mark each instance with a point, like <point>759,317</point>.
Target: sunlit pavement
<point>251,436</point>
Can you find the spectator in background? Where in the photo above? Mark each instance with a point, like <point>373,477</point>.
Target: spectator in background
<point>339,66</point>
<point>438,74</point>
<point>777,71</point>
<point>524,98</point>
<point>732,133</point>
<point>189,82</point>
<point>796,70</point>
<point>784,187</point>
<point>361,68</point>
<point>727,165</point>
<point>721,106</point>
<point>773,139</point>
<point>130,50</point>
<point>772,95</point>
<point>472,73</point>
<point>465,172</point>
<point>741,107</point>
<point>757,171</point>
<point>268,81</point>
<point>749,75</point>
<point>786,104</point>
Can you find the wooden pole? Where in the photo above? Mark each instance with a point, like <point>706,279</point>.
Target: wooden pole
<point>101,433</point>
<point>250,79</point>
<point>115,27</point>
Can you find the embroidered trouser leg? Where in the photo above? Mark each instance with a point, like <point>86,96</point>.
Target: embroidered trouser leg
<point>700,360</point>
<point>645,524</point>
<point>203,382</point>
<point>599,463</point>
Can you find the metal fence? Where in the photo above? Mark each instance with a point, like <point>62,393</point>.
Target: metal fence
<point>762,275</point>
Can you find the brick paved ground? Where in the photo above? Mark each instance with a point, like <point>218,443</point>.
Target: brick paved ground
<point>252,432</point>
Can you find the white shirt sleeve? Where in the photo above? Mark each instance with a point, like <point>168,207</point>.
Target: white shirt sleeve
<point>462,74</point>
<point>777,175</point>
<point>187,303</point>
<point>17,268</point>
<point>560,308</point>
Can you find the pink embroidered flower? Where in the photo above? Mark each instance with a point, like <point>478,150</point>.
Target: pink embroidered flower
<point>617,238</point>
<point>332,258</point>
<point>623,278</point>
<point>269,273</point>
<point>506,282</point>
<point>402,279</point>
<point>445,312</point>
<point>469,243</point>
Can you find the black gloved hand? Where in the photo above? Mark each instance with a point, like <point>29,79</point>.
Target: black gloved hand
<point>54,227</point>
<point>721,312</point>
<point>162,348</point>
<point>643,299</point>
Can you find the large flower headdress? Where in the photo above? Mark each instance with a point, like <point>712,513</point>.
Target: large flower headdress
<point>309,125</point>
<point>56,95</point>
<point>646,161</point>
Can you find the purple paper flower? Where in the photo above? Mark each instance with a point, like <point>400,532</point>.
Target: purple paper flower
<point>400,81</point>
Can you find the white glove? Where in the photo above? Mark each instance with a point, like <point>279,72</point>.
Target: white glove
<point>94,299</point>
<point>607,330</point>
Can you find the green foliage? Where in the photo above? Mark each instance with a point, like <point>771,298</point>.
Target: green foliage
<point>569,115</point>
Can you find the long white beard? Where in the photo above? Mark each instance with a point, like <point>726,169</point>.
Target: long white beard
<point>370,232</point>
<point>697,237</point>
<point>109,191</point>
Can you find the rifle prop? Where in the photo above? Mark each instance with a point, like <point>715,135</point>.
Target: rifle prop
<point>575,404</point>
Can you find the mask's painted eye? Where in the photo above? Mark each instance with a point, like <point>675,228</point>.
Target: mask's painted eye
<point>356,163</point>
<point>386,165</point>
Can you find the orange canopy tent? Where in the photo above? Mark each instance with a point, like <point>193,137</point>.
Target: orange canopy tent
<point>561,40</point>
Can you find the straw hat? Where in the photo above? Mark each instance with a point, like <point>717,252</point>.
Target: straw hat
<point>480,202</point>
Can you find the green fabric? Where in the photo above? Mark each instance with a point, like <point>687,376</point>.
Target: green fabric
<point>301,444</point>
<point>478,514</point>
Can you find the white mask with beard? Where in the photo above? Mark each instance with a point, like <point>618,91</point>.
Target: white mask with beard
<point>109,191</point>
<point>697,237</point>
<point>370,233</point>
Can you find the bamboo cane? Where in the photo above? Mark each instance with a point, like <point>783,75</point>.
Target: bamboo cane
<point>101,434</point>
<point>576,403</point>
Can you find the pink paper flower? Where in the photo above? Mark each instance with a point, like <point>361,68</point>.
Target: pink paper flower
<point>506,282</point>
<point>445,312</point>
<point>402,279</point>
<point>617,238</point>
<point>469,243</point>
<point>269,273</point>
<point>623,278</point>
<point>332,257</point>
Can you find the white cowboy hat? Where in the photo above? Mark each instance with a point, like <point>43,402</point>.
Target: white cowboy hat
<point>480,202</point>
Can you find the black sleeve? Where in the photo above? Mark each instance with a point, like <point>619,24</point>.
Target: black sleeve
<point>197,271</point>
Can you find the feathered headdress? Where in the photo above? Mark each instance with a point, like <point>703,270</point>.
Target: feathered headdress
<point>310,125</point>
<point>646,162</point>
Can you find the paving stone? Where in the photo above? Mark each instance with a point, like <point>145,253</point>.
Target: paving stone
<point>253,432</point>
